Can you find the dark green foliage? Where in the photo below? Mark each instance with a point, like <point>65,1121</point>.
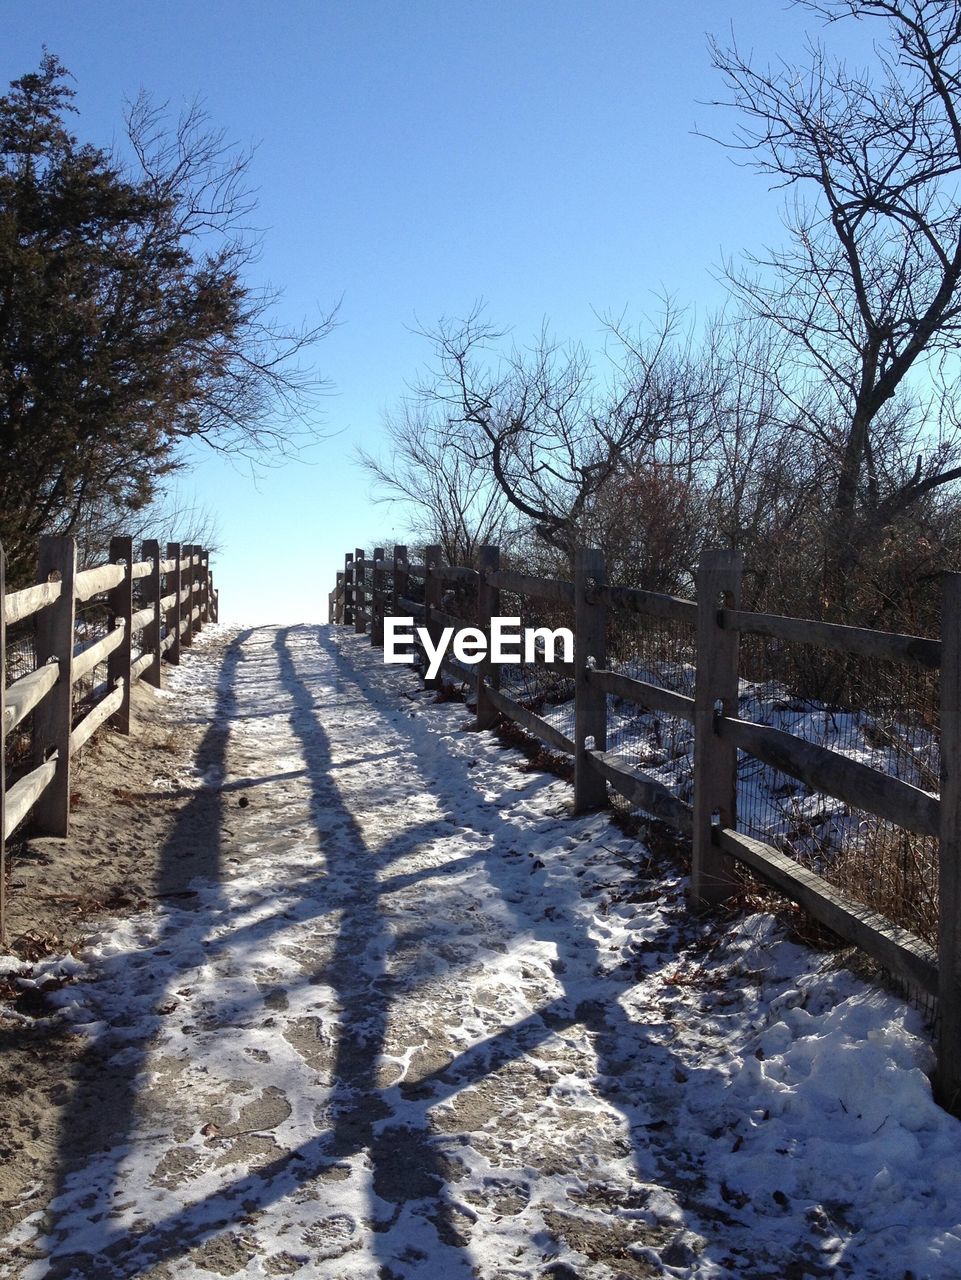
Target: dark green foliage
<point>125,323</point>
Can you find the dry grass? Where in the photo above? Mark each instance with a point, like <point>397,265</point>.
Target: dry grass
<point>893,871</point>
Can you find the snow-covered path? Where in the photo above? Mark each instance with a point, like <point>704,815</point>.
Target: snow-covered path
<point>416,1021</point>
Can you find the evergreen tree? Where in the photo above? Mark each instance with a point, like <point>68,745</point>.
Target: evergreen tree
<point>125,323</point>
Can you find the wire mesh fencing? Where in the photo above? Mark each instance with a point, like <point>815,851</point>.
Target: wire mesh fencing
<point>542,681</point>
<point>659,651</point>
<point>881,713</point>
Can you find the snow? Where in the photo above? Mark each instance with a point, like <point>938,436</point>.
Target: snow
<point>419,1021</point>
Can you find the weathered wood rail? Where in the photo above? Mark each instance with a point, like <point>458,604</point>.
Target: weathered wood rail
<point>369,587</point>
<point>176,597</point>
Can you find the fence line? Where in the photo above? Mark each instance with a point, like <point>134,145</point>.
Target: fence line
<point>362,595</point>
<point>175,597</point>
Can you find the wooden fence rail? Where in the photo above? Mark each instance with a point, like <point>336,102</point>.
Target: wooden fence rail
<point>176,597</point>
<point>717,622</point>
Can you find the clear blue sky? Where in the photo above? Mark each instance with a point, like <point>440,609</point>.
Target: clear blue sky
<point>411,159</point>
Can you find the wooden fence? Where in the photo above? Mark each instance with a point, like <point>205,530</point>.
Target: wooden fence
<point>164,602</point>
<point>368,588</point>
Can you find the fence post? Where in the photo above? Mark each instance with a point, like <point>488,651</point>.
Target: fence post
<point>433,586</point>
<point>173,613</point>
<point>401,584</point>
<point>188,597</point>
<point>204,587</point>
<point>348,618</point>
<point>199,580</point>
<point>360,607</point>
<point>187,592</point>
<point>214,598</point>
<point>196,588</point>
<point>3,748</point>
<point>188,583</point>
<point>337,604</point>
<point>151,632</point>
<point>52,719</point>
<point>947,1080</point>
<point>120,604</point>
<point>590,703</point>
<point>377,598</point>
<point>488,606</point>
<point>718,582</point>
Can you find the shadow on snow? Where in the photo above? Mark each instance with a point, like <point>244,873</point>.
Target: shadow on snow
<point>409,1171</point>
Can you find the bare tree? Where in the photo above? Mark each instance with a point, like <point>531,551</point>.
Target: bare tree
<point>452,494</point>
<point>257,387</point>
<point>758,487</point>
<point>549,428</point>
<point>649,523</point>
<point>869,286</point>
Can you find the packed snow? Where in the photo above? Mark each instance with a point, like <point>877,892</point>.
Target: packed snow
<point>418,1021</point>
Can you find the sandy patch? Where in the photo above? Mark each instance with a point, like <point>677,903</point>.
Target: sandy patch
<point>132,842</point>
